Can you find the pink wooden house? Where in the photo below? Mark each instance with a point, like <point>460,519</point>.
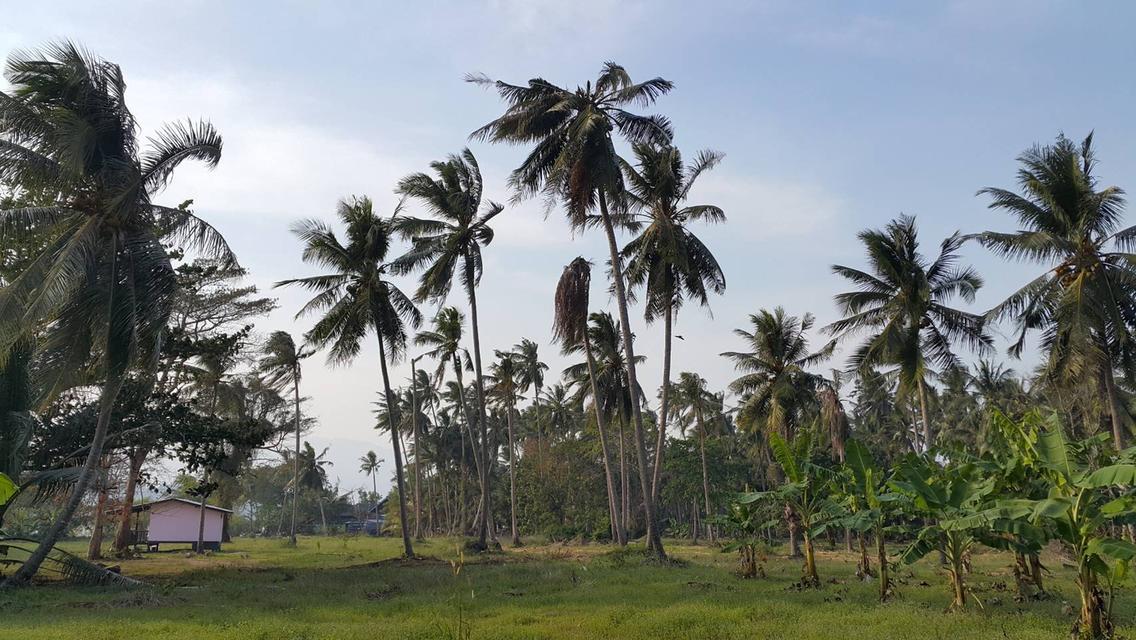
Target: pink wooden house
<point>176,521</point>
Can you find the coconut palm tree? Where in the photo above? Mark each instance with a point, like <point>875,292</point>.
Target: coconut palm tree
<point>612,395</point>
<point>103,287</point>
<point>503,375</point>
<point>666,258</point>
<point>280,366</point>
<point>369,464</point>
<point>530,375</point>
<point>355,297</point>
<point>448,247</point>
<point>692,396</point>
<point>570,329</point>
<point>1084,304</point>
<point>444,344</point>
<point>574,161</point>
<point>902,304</point>
<point>776,384</point>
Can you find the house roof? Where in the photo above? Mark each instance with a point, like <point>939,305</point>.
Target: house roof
<point>195,505</point>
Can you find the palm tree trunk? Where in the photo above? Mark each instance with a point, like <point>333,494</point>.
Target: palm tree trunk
<point>1113,405</point>
<point>664,402</point>
<point>927,435</point>
<point>296,461</point>
<point>417,469</point>
<point>468,421</point>
<point>705,474</point>
<point>122,537</point>
<point>654,537</point>
<point>408,550</point>
<point>512,475</point>
<point>31,566</point>
<point>539,435</point>
<point>625,488</point>
<point>95,545</point>
<point>483,427</point>
<point>616,532</point>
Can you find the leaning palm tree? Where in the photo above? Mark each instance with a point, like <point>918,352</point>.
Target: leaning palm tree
<point>776,382</point>
<point>1084,305</point>
<point>666,258</point>
<point>355,298</point>
<point>902,304</point>
<point>448,247</point>
<point>612,395</point>
<point>503,376</point>
<point>570,329</point>
<point>102,289</point>
<point>574,161</point>
<point>280,366</point>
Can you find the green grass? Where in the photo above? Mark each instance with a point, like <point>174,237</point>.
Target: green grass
<point>333,588</point>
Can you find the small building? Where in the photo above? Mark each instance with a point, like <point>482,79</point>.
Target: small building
<point>177,521</point>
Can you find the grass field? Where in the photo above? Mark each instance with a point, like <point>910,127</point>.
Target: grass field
<point>354,588</point>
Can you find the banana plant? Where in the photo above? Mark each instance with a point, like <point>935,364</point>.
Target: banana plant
<point>872,508</point>
<point>1088,489</point>
<point>804,492</point>
<point>744,523</point>
<point>944,494</point>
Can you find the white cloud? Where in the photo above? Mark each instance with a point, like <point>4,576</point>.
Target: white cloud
<point>273,163</point>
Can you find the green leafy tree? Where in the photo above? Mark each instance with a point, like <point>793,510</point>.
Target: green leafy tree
<point>103,288</point>
<point>574,161</point>
<point>355,297</point>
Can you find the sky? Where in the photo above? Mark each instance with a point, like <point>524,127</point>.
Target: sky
<point>833,117</point>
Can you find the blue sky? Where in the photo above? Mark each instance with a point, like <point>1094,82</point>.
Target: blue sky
<point>833,116</point>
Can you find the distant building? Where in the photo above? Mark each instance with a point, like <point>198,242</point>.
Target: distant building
<point>177,521</point>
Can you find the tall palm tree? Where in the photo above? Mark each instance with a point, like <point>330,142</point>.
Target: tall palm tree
<point>448,247</point>
<point>574,160</point>
<point>1084,304</point>
<point>280,366</point>
<point>570,329</point>
<point>369,464</point>
<point>776,383</point>
<point>666,258</point>
<point>902,303</point>
<point>530,375</point>
<point>503,376</point>
<point>693,396</point>
<point>355,297</point>
<point>103,287</point>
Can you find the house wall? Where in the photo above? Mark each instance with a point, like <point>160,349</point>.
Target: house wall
<point>178,522</point>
